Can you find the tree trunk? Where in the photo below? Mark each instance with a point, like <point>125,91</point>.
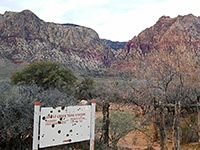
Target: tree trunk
<point>105,127</point>
<point>163,137</point>
<point>155,136</point>
<point>176,126</point>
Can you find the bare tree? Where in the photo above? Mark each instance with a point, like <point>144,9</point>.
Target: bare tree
<point>168,76</point>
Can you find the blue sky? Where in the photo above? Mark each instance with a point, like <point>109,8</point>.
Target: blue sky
<point>117,20</point>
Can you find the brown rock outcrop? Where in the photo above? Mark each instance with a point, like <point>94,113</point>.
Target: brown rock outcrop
<point>26,38</point>
<point>180,33</point>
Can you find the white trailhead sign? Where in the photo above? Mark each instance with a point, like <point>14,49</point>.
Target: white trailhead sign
<point>63,125</point>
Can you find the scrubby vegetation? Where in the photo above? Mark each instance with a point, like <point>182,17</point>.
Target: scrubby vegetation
<point>157,80</point>
<point>16,112</point>
<point>120,124</point>
<point>46,75</point>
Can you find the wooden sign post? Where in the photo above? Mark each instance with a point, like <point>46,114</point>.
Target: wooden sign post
<point>36,126</point>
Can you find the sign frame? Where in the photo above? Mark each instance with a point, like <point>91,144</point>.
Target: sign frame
<point>37,126</point>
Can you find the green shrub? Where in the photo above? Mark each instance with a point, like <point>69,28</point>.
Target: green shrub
<point>45,74</point>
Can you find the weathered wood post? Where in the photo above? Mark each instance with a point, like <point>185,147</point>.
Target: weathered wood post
<point>176,126</point>
<point>105,127</point>
<point>155,136</point>
<point>163,137</point>
<point>198,110</point>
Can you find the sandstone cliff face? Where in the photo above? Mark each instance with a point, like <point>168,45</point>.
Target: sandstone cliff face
<point>181,33</point>
<point>24,38</point>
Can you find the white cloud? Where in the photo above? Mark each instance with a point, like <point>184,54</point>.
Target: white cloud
<point>112,19</point>
<point>128,25</point>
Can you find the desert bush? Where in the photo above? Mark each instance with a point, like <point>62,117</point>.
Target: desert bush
<point>120,124</point>
<point>45,74</point>
<point>85,89</point>
<point>16,112</point>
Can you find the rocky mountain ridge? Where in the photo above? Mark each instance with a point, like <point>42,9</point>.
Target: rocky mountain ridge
<point>168,34</point>
<point>25,38</point>
<point>181,33</point>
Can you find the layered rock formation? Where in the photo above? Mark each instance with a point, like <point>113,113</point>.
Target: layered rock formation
<point>181,33</point>
<point>24,38</point>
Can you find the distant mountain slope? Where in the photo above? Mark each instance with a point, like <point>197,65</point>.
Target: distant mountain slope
<point>116,45</point>
<point>25,38</point>
<point>181,33</point>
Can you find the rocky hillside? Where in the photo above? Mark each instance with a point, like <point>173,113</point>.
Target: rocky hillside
<point>180,33</point>
<point>25,38</point>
